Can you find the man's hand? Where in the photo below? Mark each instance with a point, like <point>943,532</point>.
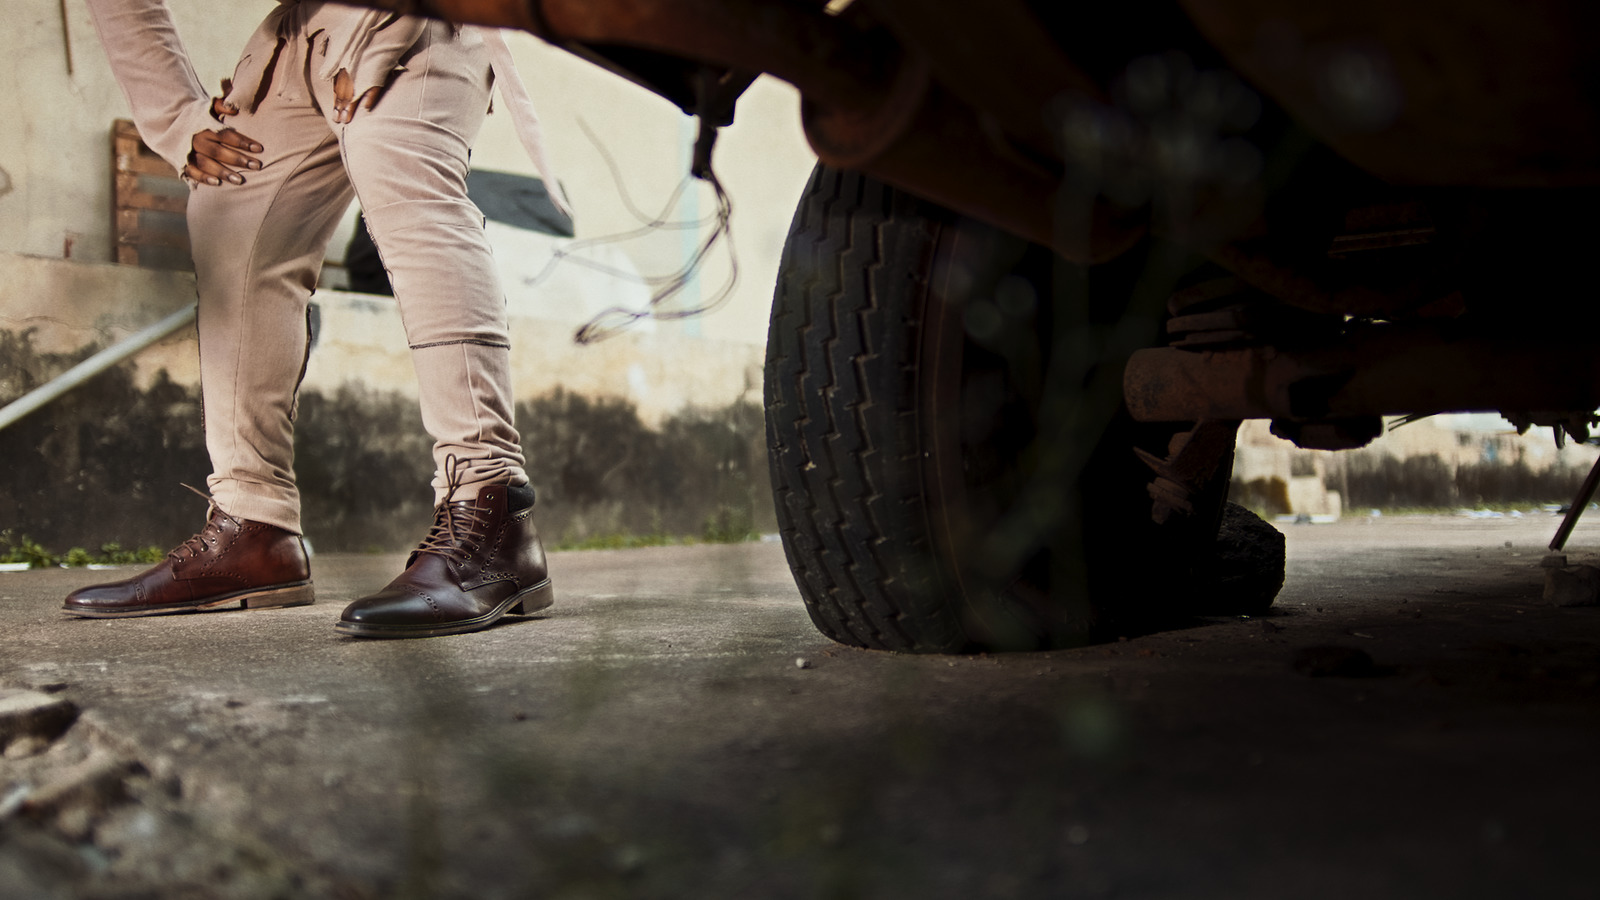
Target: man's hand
<point>217,156</point>
<point>220,107</point>
<point>345,103</point>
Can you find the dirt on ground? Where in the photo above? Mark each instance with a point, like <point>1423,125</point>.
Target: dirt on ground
<point>1412,718</point>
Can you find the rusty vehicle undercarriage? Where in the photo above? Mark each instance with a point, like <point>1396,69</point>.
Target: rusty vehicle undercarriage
<point>1054,252</point>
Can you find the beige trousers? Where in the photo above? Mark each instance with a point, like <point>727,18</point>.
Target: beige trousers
<point>258,250</point>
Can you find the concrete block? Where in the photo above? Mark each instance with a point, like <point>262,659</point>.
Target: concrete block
<point>1572,586</point>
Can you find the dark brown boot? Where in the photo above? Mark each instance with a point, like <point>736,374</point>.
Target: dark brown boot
<point>481,560</point>
<point>230,563</point>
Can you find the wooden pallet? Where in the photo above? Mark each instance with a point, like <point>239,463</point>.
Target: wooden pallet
<point>148,201</point>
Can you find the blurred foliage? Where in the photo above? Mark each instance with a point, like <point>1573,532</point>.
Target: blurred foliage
<point>1429,482</point>
<point>15,548</point>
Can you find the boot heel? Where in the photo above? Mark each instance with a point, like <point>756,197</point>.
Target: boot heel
<point>297,595</point>
<point>534,600</point>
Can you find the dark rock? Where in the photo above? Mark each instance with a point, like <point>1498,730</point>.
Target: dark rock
<point>1244,575</point>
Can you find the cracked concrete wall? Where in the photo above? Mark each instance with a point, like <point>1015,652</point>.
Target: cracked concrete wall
<point>647,432</point>
<point>67,306</point>
<point>58,102</point>
<point>658,372</point>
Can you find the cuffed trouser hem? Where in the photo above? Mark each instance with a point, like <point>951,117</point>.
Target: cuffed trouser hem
<point>248,501</point>
<point>466,405</point>
<point>484,477</point>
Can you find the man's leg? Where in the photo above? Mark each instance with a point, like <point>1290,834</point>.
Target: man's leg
<point>408,160</point>
<point>258,248</point>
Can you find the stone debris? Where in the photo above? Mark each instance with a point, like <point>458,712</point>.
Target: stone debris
<point>32,720</point>
<point>82,814</point>
<point>74,799</point>
<point>26,746</point>
<point>12,799</point>
<point>1572,586</point>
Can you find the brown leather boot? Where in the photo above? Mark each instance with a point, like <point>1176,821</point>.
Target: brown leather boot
<point>481,560</point>
<point>230,563</point>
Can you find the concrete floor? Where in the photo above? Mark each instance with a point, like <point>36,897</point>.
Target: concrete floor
<point>674,727</point>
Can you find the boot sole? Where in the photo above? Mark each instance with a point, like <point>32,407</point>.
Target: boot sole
<point>256,598</point>
<point>538,597</point>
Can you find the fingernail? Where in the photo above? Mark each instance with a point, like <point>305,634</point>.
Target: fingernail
<point>236,179</point>
<point>213,181</point>
<point>254,165</point>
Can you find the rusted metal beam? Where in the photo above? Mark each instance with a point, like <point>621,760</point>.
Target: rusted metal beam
<point>1376,370</point>
<point>1315,285</point>
<point>1002,61</point>
<point>1575,511</point>
<point>872,102</point>
<point>824,58</point>
<point>926,141</point>
<point>1428,92</point>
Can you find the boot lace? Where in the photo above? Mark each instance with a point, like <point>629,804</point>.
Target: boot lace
<point>208,536</point>
<point>458,528</point>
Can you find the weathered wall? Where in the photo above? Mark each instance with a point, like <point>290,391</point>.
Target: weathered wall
<point>646,433</point>
<point>68,305</point>
<point>58,100</point>
<point>660,373</point>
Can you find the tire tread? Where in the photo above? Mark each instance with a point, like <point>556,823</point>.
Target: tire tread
<point>850,509</point>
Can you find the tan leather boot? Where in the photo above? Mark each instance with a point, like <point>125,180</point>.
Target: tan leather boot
<point>481,560</point>
<point>231,563</point>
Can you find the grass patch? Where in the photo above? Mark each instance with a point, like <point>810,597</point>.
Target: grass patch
<point>15,548</point>
<point>1362,512</point>
<point>617,541</point>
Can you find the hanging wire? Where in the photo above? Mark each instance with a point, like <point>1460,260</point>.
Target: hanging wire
<point>612,321</point>
<point>615,170</point>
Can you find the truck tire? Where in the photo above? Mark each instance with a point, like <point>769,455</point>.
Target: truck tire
<point>941,484</point>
